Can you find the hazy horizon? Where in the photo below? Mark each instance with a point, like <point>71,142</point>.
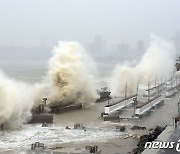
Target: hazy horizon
<point>34,27</point>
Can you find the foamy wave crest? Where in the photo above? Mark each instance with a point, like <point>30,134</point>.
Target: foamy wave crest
<point>70,76</point>
<point>15,101</point>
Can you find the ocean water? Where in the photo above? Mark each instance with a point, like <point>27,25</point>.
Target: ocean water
<point>33,71</point>
<point>27,71</point>
<point>20,139</point>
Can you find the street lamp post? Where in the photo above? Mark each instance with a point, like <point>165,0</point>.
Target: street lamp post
<point>135,104</point>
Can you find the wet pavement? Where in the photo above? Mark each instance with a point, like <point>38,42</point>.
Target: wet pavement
<point>18,141</point>
<point>173,138</point>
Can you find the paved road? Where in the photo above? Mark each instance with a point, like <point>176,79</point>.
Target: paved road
<point>173,138</point>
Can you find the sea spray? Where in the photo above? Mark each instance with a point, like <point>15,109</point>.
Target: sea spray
<point>70,76</point>
<point>124,80</point>
<point>16,101</point>
<point>157,62</point>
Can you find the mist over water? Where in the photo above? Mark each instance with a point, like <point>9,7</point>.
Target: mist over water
<point>157,62</point>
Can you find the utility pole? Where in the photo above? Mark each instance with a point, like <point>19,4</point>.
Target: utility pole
<point>148,90</point>
<point>155,80</point>
<point>137,90</point>
<point>108,97</point>
<point>135,99</point>
<point>165,82</point>
<point>135,104</point>
<point>126,91</point>
<point>158,87</point>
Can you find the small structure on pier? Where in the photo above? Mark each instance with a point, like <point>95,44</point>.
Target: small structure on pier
<point>38,148</point>
<point>79,126</point>
<point>40,115</point>
<point>104,94</point>
<point>57,109</point>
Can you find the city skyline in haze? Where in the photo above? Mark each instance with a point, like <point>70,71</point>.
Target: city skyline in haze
<point>44,22</point>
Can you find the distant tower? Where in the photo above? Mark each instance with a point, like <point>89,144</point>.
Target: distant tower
<point>140,47</point>
<point>122,50</point>
<point>177,41</point>
<point>98,46</point>
<point>178,64</point>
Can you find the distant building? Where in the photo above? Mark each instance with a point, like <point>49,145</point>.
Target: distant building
<point>140,47</point>
<point>176,40</point>
<point>98,46</point>
<point>122,50</point>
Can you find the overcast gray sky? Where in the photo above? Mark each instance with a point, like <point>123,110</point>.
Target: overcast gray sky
<point>39,22</point>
